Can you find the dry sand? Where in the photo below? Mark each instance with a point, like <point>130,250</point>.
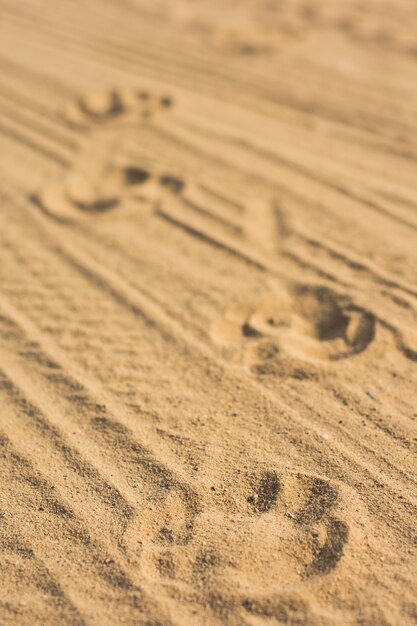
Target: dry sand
<point>208,305</point>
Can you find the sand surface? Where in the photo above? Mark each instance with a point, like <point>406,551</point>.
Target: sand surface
<point>208,307</point>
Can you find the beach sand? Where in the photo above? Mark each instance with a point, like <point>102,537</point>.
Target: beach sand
<point>208,313</point>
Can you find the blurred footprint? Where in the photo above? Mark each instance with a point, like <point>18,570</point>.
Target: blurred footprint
<point>80,194</point>
<point>300,321</point>
<point>112,106</point>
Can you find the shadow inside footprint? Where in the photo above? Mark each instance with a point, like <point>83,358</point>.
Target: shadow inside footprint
<point>328,556</point>
<point>266,493</point>
<point>320,308</point>
<point>164,102</point>
<point>59,204</point>
<point>322,498</point>
<point>287,609</point>
<point>91,195</point>
<point>135,176</point>
<point>101,106</point>
<point>172,183</point>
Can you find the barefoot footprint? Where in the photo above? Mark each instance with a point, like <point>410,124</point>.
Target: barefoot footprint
<point>301,322</point>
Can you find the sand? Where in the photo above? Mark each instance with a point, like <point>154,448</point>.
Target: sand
<point>208,306</point>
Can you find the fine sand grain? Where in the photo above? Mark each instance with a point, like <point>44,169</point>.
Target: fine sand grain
<point>208,312</point>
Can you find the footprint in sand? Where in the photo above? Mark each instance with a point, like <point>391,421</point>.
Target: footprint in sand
<point>292,519</point>
<point>299,322</point>
<point>112,106</point>
<point>252,542</point>
<point>79,194</point>
<point>95,184</point>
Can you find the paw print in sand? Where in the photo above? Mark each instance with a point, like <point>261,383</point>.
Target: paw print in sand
<point>101,108</point>
<point>96,181</point>
<point>300,322</point>
<point>258,540</point>
<point>79,195</point>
